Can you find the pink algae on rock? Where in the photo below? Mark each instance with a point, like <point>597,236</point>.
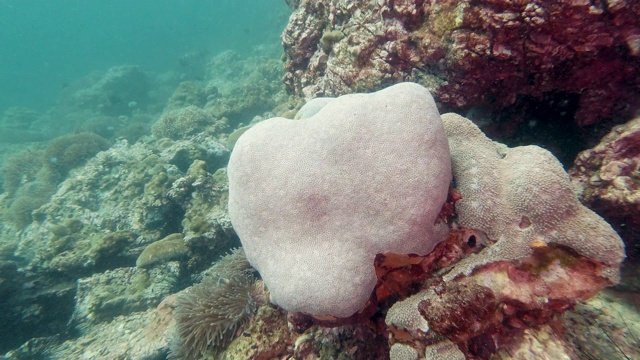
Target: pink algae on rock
<point>471,53</point>
<point>607,177</point>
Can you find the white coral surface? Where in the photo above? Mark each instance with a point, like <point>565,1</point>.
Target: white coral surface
<point>314,200</point>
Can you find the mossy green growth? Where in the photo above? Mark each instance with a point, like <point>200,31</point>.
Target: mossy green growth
<point>69,151</point>
<point>220,178</point>
<point>21,168</point>
<point>544,258</point>
<point>187,93</point>
<point>198,225</point>
<point>235,135</point>
<point>181,123</point>
<point>59,230</point>
<point>112,243</point>
<point>329,38</point>
<point>447,17</point>
<point>74,225</point>
<point>65,235</point>
<point>169,248</point>
<point>27,199</point>
<point>139,283</point>
<point>159,183</point>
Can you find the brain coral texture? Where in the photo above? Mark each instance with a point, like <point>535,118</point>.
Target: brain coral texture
<point>522,198</point>
<point>545,253</point>
<point>471,52</point>
<point>314,200</point>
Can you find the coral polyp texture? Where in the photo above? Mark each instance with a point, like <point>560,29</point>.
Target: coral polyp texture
<point>522,198</point>
<point>471,52</point>
<point>545,251</point>
<point>314,200</point>
<point>608,179</point>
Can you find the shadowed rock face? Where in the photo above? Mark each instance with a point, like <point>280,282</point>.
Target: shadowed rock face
<point>608,178</point>
<point>314,200</point>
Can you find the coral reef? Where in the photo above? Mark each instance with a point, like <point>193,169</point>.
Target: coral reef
<point>493,53</point>
<point>80,232</point>
<point>104,296</point>
<point>363,185</point>
<point>140,335</point>
<point>545,252</point>
<point>608,181</point>
<point>85,217</point>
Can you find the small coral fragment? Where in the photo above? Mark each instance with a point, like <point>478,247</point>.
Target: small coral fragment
<point>171,247</point>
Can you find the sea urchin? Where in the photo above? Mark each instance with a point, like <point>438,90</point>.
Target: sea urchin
<point>209,314</point>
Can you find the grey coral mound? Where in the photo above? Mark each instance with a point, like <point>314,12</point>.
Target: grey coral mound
<point>519,197</point>
<point>314,200</point>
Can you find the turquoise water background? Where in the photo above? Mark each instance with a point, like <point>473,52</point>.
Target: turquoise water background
<point>48,43</point>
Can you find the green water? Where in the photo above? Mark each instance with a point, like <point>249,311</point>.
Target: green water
<point>46,44</point>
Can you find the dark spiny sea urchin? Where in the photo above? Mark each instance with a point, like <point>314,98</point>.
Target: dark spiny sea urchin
<point>209,314</point>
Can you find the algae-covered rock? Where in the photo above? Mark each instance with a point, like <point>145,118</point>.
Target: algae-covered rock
<point>106,295</point>
<point>206,223</point>
<point>69,151</point>
<point>184,122</point>
<point>188,93</point>
<point>170,248</point>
